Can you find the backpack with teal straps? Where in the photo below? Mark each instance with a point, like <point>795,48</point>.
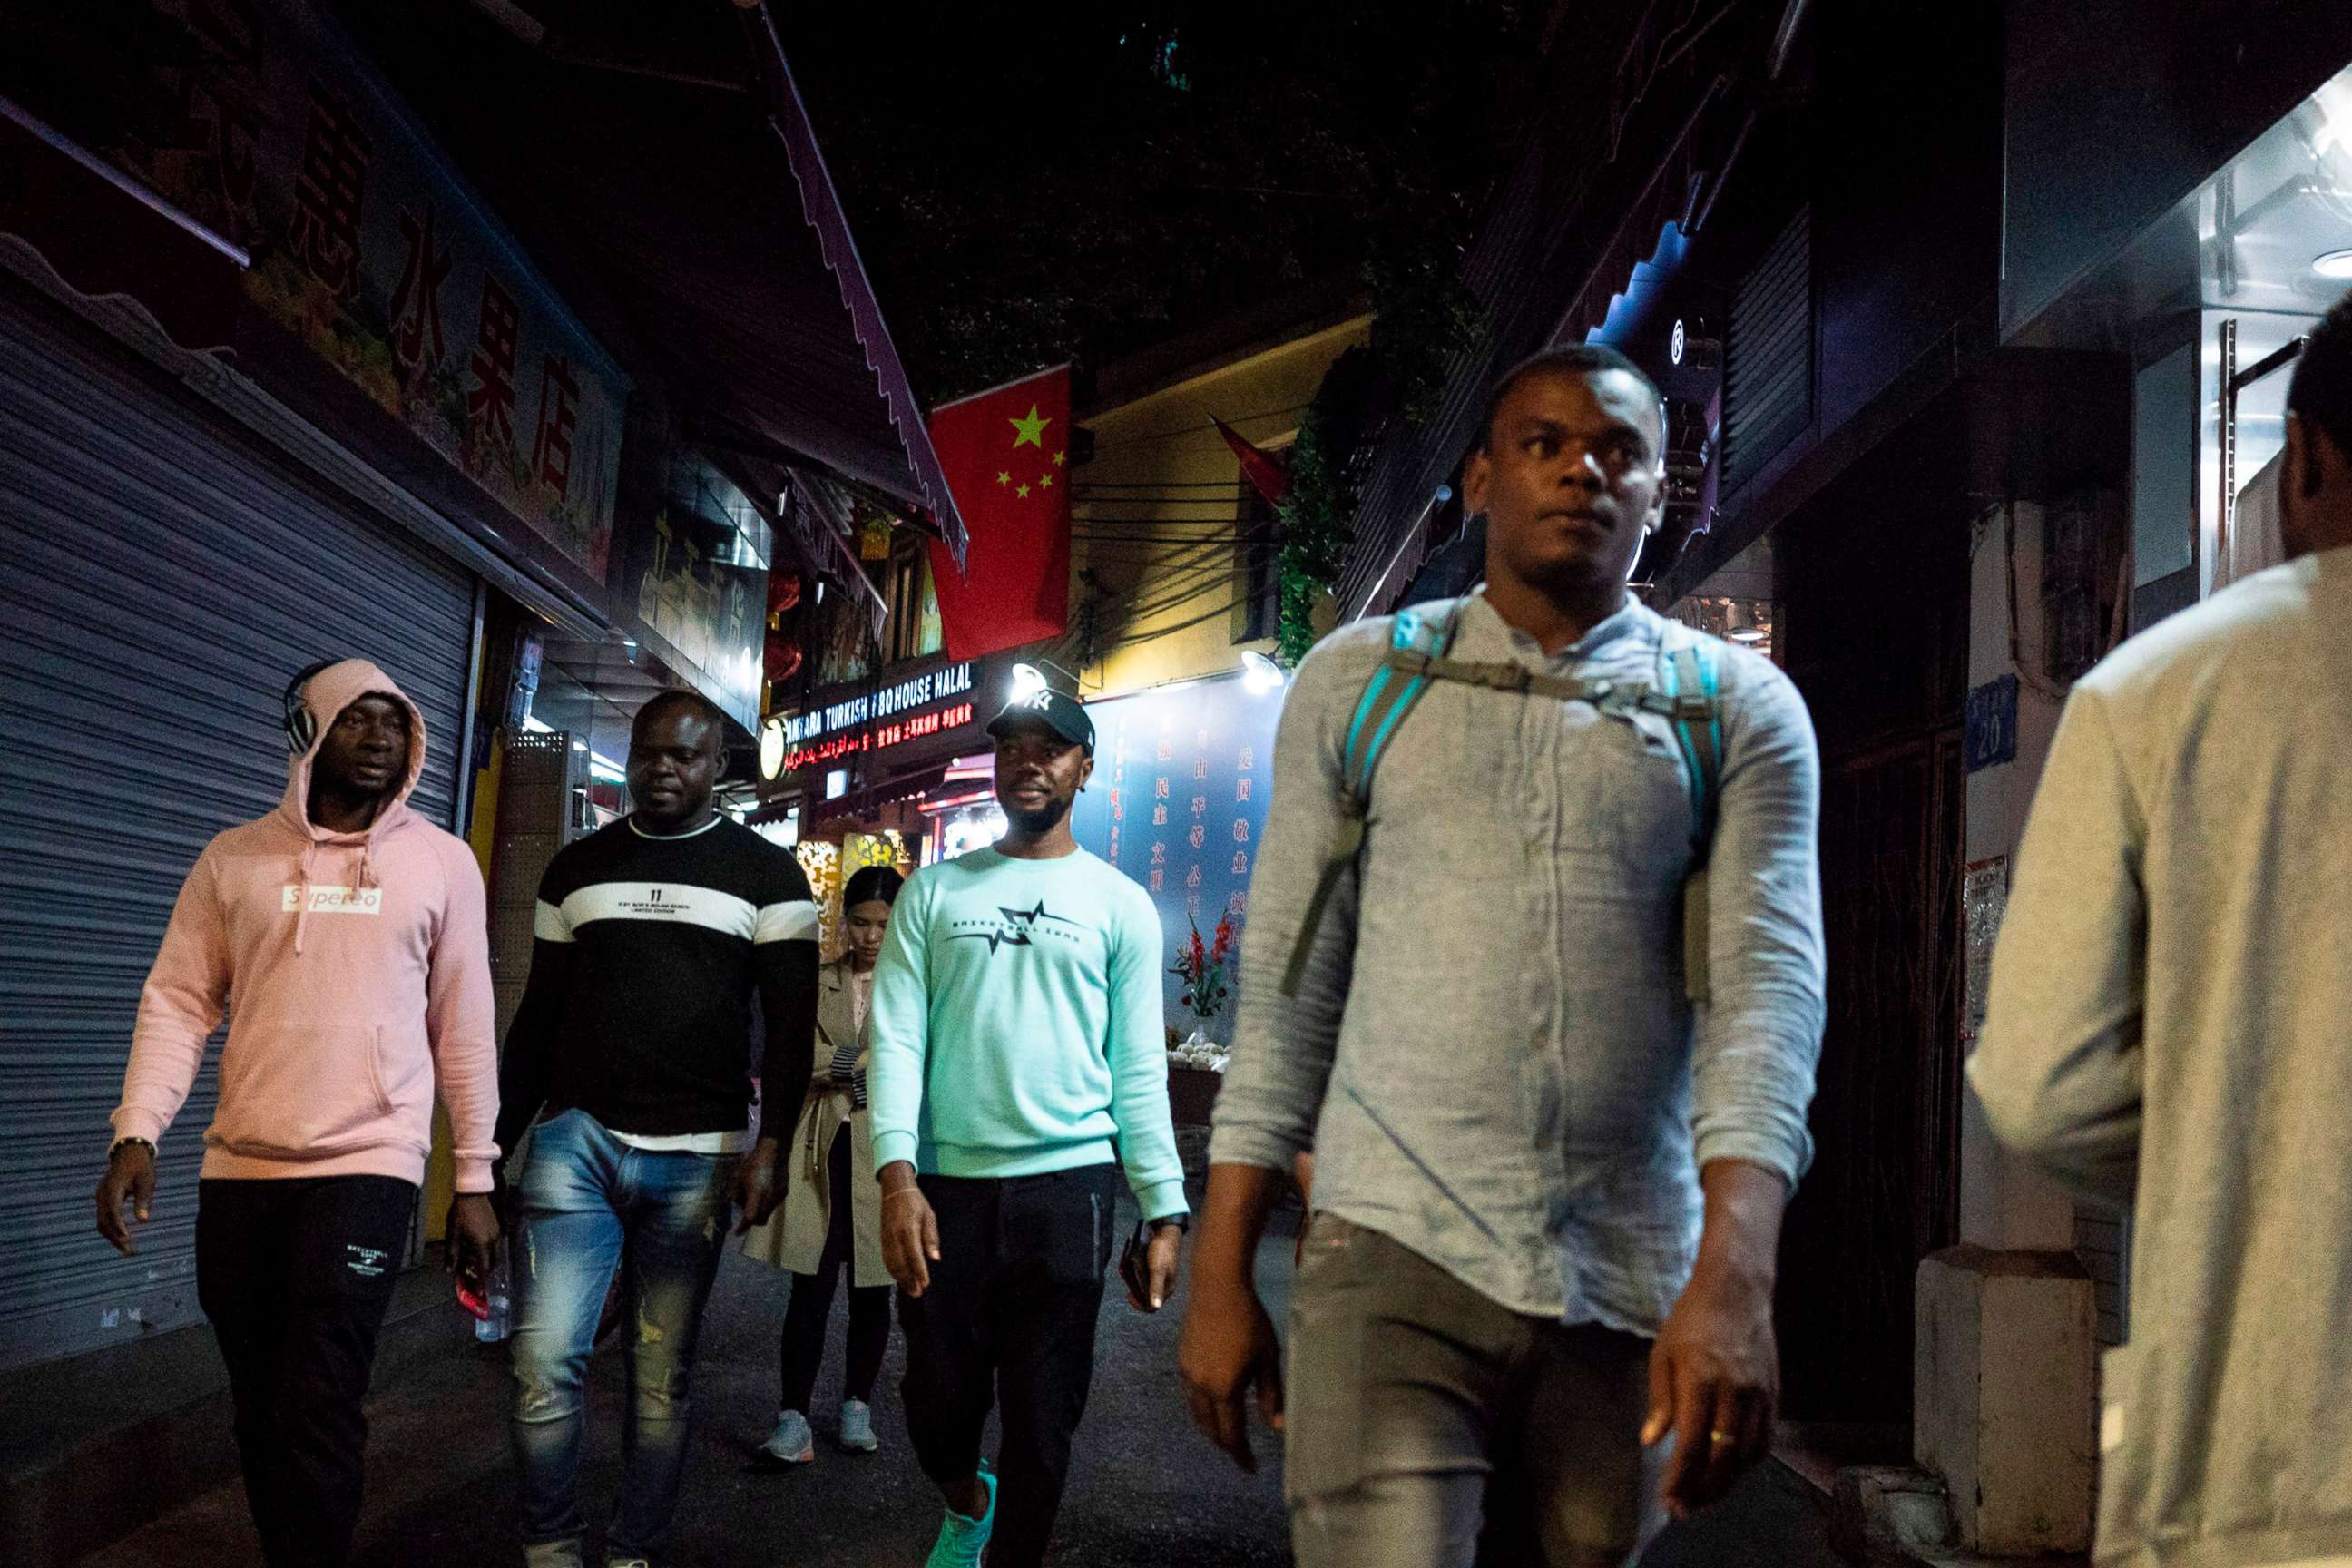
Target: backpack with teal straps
<point>1685,694</point>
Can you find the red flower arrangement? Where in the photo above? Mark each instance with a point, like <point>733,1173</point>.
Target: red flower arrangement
<point>1202,966</point>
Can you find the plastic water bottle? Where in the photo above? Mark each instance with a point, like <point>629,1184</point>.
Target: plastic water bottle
<point>500,1321</point>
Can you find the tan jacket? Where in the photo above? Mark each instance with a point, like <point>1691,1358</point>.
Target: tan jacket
<point>793,1237</point>
<point>2166,1033</point>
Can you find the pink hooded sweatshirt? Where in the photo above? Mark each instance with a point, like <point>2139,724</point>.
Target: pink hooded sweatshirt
<point>358,968</point>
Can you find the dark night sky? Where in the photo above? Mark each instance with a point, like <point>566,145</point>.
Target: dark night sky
<point>1035,186</point>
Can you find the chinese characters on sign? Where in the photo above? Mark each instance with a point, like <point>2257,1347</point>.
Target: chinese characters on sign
<point>417,339</point>
<point>1989,733</point>
<point>491,401</point>
<point>327,188</point>
<point>928,711</point>
<point>1208,735</point>
<point>367,249</point>
<point>1984,899</point>
<point>559,411</point>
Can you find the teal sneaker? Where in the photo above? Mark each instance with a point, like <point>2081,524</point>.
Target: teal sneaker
<point>962,1540</point>
<point>858,1428</point>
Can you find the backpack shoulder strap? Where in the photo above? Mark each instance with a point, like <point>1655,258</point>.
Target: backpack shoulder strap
<point>1689,678</point>
<point>1389,696</point>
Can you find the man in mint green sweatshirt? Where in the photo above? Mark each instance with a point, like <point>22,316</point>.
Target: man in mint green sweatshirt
<point>1017,1052</point>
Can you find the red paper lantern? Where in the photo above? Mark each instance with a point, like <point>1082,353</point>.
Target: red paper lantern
<point>783,657</point>
<point>783,590</point>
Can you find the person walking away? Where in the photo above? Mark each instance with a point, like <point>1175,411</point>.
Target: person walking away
<point>1017,1051</point>
<point>630,1062</point>
<point>351,934</point>
<point>2164,1031</point>
<point>1541,1251</point>
<point>831,1217</point>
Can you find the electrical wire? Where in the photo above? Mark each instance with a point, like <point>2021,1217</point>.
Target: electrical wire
<point>1206,579</point>
<point>1107,615</point>
<point>1154,484</point>
<point>1212,524</point>
<point>1237,422</point>
<point>1178,561</point>
<point>1199,525</point>
<point>1228,608</point>
<point>1142,540</point>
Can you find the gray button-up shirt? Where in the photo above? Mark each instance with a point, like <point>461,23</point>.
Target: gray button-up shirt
<point>1491,1054</point>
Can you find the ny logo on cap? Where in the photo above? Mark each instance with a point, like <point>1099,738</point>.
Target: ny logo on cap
<point>1037,701</point>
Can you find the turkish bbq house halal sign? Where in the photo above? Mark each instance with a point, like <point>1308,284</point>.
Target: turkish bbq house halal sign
<point>861,721</point>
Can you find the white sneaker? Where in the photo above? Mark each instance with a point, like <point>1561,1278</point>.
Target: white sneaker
<point>858,1428</point>
<point>792,1442</point>
<point>626,1563</point>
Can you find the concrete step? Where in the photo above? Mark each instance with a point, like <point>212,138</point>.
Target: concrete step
<point>1884,1516</point>
<point>1883,1512</point>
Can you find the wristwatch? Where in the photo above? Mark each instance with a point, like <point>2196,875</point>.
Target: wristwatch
<point>1181,1221</point>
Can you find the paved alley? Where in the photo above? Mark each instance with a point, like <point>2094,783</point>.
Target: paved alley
<point>1145,1488</point>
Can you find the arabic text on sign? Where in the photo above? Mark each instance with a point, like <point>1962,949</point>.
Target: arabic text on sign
<point>880,738</point>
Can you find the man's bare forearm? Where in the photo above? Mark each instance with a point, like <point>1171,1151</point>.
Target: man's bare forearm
<point>1741,1237</point>
<point>1232,1221</point>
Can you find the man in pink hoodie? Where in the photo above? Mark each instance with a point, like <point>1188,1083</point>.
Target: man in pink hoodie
<point>350,934</point>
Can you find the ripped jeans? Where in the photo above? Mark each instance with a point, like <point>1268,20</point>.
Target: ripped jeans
<point>587,1203</point>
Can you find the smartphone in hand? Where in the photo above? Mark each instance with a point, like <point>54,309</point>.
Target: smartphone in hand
<point>1134,1266</point>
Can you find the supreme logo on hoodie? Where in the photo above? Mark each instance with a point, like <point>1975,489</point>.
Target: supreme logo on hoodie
<point>335,900</point>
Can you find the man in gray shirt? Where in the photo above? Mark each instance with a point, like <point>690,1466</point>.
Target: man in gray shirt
<point>2166,1031</point>
<point>1549,1187</point>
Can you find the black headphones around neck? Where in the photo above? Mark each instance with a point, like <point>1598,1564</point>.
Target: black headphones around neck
<point>301,729</point>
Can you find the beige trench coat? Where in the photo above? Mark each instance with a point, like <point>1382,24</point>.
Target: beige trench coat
<point>793,1237</point>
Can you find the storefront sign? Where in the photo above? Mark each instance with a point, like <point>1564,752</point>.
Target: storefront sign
<point>275,131</point>
<point>1178,802</point>
<point>923,716</point>
<point>898,697</point>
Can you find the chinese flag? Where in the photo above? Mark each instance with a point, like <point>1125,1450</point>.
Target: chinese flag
<point>1006,454</point>
<point>1261,468</point>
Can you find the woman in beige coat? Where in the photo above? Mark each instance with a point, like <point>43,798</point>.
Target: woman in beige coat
<point>832,1212</point>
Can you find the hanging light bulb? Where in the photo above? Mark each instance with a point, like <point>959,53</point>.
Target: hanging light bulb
<point>1260,674</point>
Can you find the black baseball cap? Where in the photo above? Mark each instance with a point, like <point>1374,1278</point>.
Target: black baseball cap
<point>1064,716</point>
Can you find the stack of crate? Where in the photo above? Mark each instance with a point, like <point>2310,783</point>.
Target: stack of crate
<point>542,782</point>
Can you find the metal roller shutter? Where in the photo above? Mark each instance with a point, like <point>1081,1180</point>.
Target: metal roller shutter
<point>1767,359</point>
<point>161,577</point>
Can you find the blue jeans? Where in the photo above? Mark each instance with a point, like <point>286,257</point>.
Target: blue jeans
<point>586,1204</point>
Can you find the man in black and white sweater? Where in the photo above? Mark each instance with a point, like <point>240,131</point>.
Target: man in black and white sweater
<point>630,1062</point>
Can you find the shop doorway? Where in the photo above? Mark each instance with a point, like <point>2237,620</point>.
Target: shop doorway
<point>1884,1187</point>
<point>1875,626</point>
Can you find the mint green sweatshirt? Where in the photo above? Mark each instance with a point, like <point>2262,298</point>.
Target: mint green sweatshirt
<point>1016,1025</point>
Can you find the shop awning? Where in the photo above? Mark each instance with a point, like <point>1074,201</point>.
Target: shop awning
<point>659,164</point>
<point>103,235</point>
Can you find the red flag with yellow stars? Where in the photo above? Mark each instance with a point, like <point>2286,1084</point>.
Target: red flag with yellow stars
<point>1006,454</point>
